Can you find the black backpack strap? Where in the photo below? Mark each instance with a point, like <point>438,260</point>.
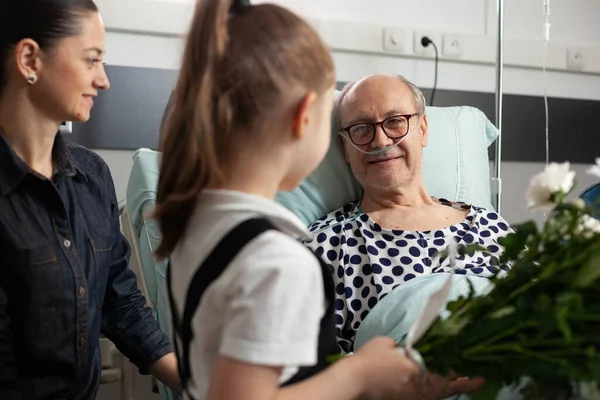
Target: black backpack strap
<point>212,267</point>
<point>327,338</point>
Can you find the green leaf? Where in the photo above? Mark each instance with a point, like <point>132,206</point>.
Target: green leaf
<point>503,312</point>
<point>489,391</point>
<point>471,249</point>
<point>594,366</point>
<point>514,243</point>
<point>332,359</point>
<point>589,272</point>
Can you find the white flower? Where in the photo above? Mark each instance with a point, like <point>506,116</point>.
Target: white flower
<point>555,178</point>
<point>588,226</point>
<point>579,203</point>
<point>595,169</point>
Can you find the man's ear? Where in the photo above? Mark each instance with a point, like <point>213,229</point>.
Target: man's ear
<point>424,127</point>
<point>345,148</point>
<point>302,115</point>
<point>28,59</point>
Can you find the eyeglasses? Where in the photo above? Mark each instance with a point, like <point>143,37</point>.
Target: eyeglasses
<point>394,127</point>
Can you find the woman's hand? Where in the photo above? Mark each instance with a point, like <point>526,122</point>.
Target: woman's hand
<point>166,371</point>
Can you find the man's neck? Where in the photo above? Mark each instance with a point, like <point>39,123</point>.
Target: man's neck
<point>30,135</point>
<point>412,195</point>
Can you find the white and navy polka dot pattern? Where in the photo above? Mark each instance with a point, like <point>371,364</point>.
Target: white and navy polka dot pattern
<point>368,261</point>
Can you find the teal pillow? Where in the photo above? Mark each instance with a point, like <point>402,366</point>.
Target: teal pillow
<point>396,313</point>
<point>455,166</point>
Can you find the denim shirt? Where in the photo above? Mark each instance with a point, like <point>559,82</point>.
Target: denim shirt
<point>64,279</point>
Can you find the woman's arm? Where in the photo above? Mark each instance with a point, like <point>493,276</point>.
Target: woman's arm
<point>126,319</point>
<point>166,371</point>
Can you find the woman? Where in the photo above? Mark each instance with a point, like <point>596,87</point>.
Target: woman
<point>64,276</point>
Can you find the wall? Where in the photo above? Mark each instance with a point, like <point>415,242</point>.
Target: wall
<point>146,33</point>
<point>130,43</point>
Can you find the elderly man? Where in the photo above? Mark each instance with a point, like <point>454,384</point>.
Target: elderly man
<point>394,233</point>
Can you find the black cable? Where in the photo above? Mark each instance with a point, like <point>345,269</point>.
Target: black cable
<point>425,41</point>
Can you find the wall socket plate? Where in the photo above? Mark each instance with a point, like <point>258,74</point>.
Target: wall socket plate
<point>575,59</point>
<point>394,40</point>
<point>452,45</point>
<point>436,37</point>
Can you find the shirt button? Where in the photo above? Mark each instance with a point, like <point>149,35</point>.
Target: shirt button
<point>67,243</point>
<point>81,291</point>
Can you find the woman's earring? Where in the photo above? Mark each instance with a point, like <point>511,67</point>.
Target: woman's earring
<point>31,80</point>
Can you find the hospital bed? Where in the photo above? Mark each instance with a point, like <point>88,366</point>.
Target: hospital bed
<point>456,167</point>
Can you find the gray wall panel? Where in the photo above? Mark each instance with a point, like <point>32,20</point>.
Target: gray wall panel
<point>128,117</point>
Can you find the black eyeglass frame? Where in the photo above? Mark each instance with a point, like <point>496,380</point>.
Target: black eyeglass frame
<point>346,130</point>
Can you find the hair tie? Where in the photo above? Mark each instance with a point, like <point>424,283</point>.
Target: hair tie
<point>239,6</point>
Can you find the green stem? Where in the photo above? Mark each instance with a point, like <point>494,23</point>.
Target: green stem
<point>500,335</point>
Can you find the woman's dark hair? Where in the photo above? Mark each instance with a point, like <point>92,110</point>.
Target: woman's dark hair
<point>238,64</point>
<point>45,21</point>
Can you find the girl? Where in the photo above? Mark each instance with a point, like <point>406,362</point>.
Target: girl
<point>252,307</point>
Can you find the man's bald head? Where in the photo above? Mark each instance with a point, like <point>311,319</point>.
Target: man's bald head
<point>351,88</point>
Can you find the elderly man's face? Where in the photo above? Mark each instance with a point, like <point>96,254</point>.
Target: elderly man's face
<point>373,100</point>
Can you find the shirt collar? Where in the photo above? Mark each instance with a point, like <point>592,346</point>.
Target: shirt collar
<point>278,215</point>
<point>13,170</point>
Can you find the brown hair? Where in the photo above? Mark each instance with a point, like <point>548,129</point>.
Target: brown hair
<point>236,68</point>
<point>45,21</point>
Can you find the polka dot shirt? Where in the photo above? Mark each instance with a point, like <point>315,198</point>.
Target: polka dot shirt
<point>368,261</point>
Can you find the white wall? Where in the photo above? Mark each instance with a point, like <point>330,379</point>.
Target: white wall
<point>147,33</point>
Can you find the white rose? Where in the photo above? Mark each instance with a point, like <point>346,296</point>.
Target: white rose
<point>579,203</point>
<point>555,178</point>
<point>595,169</point>
<point>588,226</point>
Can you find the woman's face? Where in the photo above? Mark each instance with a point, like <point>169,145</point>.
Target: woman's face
<point>72,73</point>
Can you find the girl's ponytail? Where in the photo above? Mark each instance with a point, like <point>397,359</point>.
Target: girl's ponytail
<point>191,123</point>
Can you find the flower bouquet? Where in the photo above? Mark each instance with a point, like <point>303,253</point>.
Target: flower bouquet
<point>542,319</point>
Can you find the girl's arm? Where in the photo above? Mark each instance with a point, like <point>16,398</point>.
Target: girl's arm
<point>377,371</point>
<point>241,381</point>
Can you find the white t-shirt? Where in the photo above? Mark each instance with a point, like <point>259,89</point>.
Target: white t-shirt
<point>266,306</point>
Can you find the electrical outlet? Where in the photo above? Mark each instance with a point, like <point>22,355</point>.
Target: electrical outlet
<point>575,59</point>
<point>452,45</point>
<point>394,39</point>
<point>419,49</point>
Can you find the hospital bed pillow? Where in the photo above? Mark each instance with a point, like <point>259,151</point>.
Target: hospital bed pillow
<point>395,313</point>
<point>455,166</point>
